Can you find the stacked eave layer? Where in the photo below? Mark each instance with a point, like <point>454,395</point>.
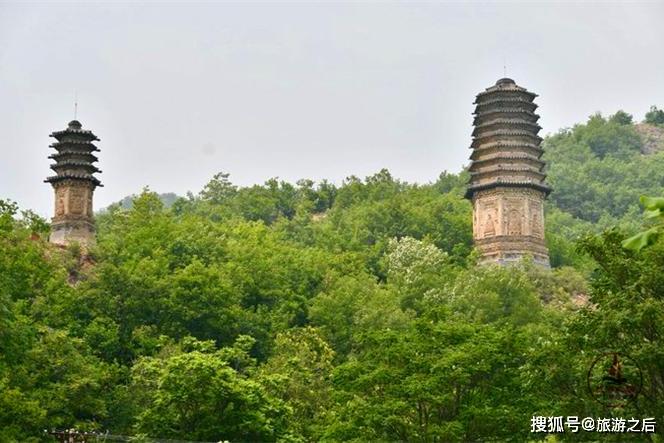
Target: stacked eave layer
<point>74,159</point>
<point>506,144</point>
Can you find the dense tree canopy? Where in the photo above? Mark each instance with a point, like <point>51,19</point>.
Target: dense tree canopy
<point>351,312</point>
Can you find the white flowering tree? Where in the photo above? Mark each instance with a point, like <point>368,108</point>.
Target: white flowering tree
<point>417,269</point>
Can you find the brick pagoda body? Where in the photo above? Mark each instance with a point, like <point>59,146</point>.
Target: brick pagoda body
<point>507,186</point>
<point>74,185</point>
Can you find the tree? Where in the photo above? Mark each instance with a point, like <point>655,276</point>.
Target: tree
<point>319,312</point>
<point>654,210</point>
<point>597,173</point>
<point>299,373</point>
<point>613,137</point>
<point>199,394</point>
<point>655,116</point>
<point>447,375</point>
<point>626,313</point>
<point>219,190</point>
<point>417,270</point>
<point>621,118</point>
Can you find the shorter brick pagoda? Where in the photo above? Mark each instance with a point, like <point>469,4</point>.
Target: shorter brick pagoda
<point>74,185</point>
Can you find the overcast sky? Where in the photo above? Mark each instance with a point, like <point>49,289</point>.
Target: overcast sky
<point>178,92</point>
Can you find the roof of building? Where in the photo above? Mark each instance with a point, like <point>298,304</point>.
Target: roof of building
<point>478,139</point>
<point>77,143</point>
<point>68,153</point>
<point>506,110</point>
<point>74,176</point>
<point>491,151</point>
<point>505,99</point>
<point>507,156</point>
<point>506,121</point>
<point>74,128</point>
<point>508,184</point>
<point>508,170</point>
<point>75,164</point>
<point>74,159</point>
<point>500,145</point>
<point>505,85</point>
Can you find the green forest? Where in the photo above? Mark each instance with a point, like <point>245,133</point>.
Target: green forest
<point>339,312</point>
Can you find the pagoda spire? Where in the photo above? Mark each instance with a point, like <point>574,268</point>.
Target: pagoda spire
<point>507,180</point>
<point>74,184</point>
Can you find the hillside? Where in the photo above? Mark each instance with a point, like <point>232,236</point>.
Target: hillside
<point>598,171</point>
<point>309,311</point>
<point>167,198</point>
<point>652,136</point>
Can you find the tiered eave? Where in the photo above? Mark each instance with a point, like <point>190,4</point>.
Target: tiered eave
<point>74,159</point>
<point>506,144</point>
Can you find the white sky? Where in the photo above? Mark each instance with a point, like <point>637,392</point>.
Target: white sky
<point>178,92</point>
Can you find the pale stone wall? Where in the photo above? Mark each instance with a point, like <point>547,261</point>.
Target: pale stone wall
<point>508,223</point>
<point>66,232</point>
<point>74,217</point>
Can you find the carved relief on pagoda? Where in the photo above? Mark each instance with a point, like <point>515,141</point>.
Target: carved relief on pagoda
<point>513,217</point>
<point>488,219</point>
<point>476,219</point>
<point>514,224</point>
<point>77,201</point>
<point>536,216</point>
<point>60,199</point>
<point>89,210</point>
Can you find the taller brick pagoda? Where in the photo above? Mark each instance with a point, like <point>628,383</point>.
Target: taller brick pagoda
<point>74,184</point>
<point>507,185</point>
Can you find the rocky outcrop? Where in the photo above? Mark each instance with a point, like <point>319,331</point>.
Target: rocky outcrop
<point>652,136</point>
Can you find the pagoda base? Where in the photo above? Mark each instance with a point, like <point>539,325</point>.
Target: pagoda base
<point>65,232</point>
<point>504,250</point>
